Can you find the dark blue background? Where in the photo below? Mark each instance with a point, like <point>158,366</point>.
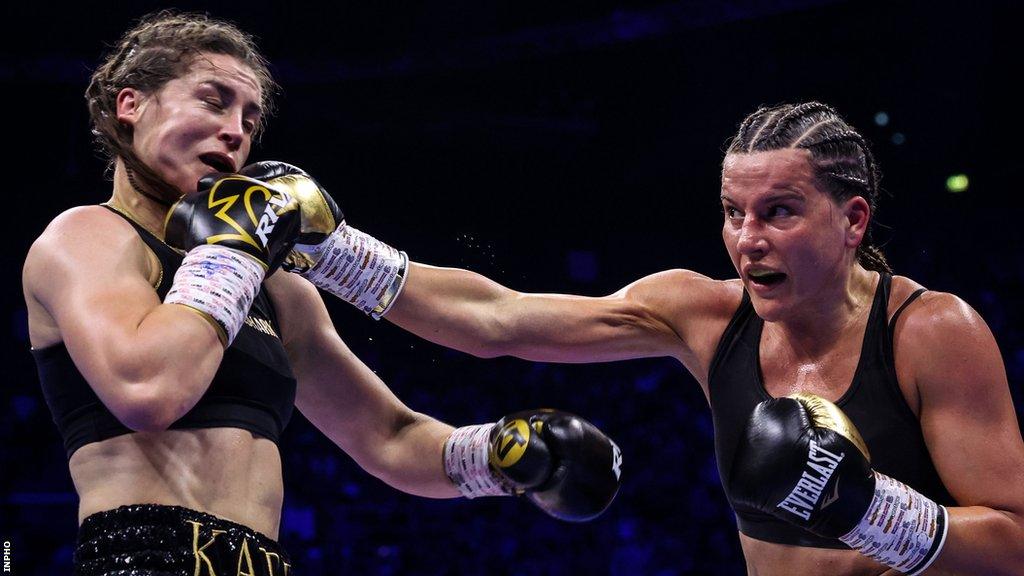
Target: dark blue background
<point>569,147</point>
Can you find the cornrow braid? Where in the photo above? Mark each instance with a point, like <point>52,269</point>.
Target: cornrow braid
<point>768,117</point>
<point>745,125</point>
<point>840,156</point>
<point>797,112</point>
<point>839,138</point>
<point>848,178</point>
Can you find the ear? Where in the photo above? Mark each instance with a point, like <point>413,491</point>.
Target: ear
<point>858,215</point>
<point>129,106</point>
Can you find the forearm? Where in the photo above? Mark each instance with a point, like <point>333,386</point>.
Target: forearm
<point>452,307</point>
<point>353,407</point>
<point>982,540</point>
<point>466,311</point>
<point>412,459</point>
<point>448,306</point>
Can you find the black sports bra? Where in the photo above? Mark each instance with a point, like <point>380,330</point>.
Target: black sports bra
<point>253,389</point>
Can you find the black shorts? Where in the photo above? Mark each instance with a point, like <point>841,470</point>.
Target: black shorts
<point>153,540</point>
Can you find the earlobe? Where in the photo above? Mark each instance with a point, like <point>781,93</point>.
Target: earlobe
<point>858,215</point>
<point>128,105</point>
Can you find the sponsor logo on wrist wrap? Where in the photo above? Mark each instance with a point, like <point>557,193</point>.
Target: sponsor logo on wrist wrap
<point>359,269</point>
<point>220,283</point>
<point>902,528</point>
<point>466,461</point>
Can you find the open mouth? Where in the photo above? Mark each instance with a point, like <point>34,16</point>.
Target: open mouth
<point>217,162</point>
<point>766,278</point>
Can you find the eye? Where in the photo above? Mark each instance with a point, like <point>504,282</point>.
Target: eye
<point>214,103</point>
<point>731,213</point>
<point>249,126</point>
<point>779,211</point>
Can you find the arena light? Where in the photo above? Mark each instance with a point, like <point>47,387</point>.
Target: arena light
<point>957,183</point>
<point>882,118</point>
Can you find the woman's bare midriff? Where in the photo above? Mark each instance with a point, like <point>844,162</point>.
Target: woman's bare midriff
<point>227,472</point>
<point>769,559</point>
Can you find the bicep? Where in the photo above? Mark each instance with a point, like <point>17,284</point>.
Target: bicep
<point>95,293</point>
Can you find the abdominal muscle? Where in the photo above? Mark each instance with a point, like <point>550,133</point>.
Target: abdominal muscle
<point>227,472</point>
<point>770,559</point>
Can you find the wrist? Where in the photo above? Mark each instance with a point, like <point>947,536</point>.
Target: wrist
<point>467,462</point>
<point>357,268</point>
<point>902,528</point>
<point>218,283</point>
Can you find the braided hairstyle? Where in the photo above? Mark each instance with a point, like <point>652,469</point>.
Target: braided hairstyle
<point>162,47</point>
<point>841,160</point>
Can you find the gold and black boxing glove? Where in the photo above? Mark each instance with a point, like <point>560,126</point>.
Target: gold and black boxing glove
<point>802,460</point>
<point>558,461</point>
<point>235,231</point>
<point>236,212</point>
<point>334,256</point>
<point>320,215</point>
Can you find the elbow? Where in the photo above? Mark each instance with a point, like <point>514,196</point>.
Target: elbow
<point>489,349</point>
<point>392,459</point>
<point>147,397</point>
<point>497,333</point>
<point>144,419</point>
<point>494,344</point>
<point>146,407</point>
<point>1018,539</point>
<point>383,471</point>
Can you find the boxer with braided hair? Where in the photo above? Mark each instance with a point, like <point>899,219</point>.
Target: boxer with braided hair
<point>863,425</point>
<point>841,158</point>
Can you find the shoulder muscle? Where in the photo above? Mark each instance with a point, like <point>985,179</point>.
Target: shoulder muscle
<point>85,255</point>
<point>694,307</point>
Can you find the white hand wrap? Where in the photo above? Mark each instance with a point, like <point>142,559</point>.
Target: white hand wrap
<point>220,284</point>
<point>359,269</point>
<point>467,464</point>
<point>902,528</point>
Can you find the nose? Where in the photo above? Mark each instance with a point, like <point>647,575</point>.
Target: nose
<point>232,131</point>
<point>751,241</point>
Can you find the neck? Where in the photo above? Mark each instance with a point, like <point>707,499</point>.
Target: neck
<point>826,318</point>
<point>141,208</point>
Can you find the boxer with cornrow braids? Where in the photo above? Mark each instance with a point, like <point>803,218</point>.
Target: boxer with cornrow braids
<point>863,424</point>
<point>841,157</point>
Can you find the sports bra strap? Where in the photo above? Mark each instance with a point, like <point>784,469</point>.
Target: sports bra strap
<point>910,299</point>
